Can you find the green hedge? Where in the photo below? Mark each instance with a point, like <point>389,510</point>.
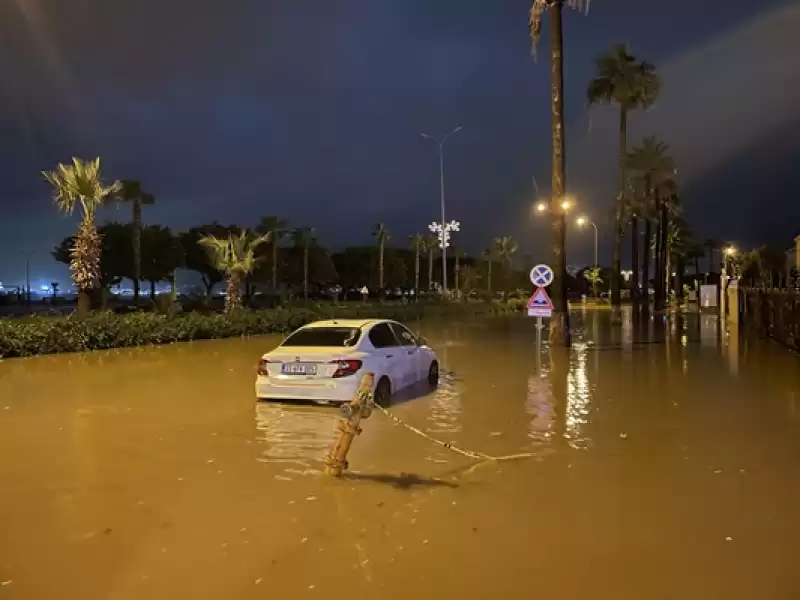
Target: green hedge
<point>60,334</point>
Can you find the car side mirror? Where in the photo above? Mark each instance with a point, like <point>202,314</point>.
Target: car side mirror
<point>422,341</point>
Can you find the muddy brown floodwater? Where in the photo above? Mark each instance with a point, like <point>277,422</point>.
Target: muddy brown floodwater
<point>667,466</point>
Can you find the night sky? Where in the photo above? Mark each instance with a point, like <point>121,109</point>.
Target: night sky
<point>312,111</point>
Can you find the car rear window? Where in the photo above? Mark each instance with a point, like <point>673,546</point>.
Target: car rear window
<point>330,337</point>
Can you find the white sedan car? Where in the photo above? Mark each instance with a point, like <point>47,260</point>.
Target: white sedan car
<point>324,361</point>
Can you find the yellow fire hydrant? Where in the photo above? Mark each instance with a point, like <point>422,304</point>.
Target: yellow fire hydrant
<point>358,408</point>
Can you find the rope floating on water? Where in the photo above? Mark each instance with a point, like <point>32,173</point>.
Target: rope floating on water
<point>449,446</point>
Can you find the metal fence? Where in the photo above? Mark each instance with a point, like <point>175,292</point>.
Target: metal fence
<point>774,314</point>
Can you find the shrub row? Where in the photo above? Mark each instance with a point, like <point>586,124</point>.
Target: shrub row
<point>61,334</point>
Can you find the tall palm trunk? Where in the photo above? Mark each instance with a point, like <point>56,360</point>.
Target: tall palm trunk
<point>559,322</point>
<point>380,265</point>
<point>152,290</point>
<point>84,263</point>
<point>416,274</point>
<point>658,279</point>
<point>233,298</point>
<point>274,265</point>
<point>457,269</point>
<point>489,277</point>
<point>616,259</point>
<point>710,260</point>
<point>136,233</point>
<point>679,266</point>
<point>305,273</point>
<point>430,270</point>
<point>635,262</point>
<point>664,232</point>
<point>648,240</point>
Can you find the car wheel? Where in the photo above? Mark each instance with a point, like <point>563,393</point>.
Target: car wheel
<point>433,374</point>
<point>383,393</point>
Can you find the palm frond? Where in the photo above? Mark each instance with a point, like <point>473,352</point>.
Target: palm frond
<point>274,227</point>
<point>381,233</point>
<point>234,254</point>
<point>79,183</point>
<point>539,7</point>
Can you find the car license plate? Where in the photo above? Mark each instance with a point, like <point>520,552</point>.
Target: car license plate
<point>298,369</point>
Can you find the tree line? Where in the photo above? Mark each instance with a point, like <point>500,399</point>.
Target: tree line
<point>270,254</point>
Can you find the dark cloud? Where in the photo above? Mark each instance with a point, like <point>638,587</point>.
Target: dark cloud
<point>234,109</point>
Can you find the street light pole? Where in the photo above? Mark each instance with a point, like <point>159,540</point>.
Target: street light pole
<point>26,254</point>
<point>440,142</point>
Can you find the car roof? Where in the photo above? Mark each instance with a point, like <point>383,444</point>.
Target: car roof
<point>358,323</point>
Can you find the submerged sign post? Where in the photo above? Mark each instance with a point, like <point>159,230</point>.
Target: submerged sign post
<point>540,305</point>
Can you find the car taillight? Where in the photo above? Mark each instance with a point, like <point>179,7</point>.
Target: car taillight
<point>345,367</point>
<point>262,367</point>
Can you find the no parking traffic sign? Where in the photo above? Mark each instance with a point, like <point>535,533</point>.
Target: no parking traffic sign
<point>541,276</point>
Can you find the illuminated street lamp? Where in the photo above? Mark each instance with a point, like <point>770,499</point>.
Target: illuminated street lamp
<point>729,253</point>
<point>542,206</point>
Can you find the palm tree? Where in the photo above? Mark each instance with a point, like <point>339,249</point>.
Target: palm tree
<point>593,277</point>
<point>489,255</point>
<point>418,246</point>
<point>559,322</point>
<point>504,249</point>
<point>679,243</point>
<point>80,184</point>
<point>132,192</point>
<point>304,237</point>
<point>669,203</point>
<point>273,228</point>
<point>635,209</point>
<point>431,243</point>
<point>236,257</point>
<point>647,213</point>
<point>630,84</point>
<point>655,169</point>
<point>382,236</point>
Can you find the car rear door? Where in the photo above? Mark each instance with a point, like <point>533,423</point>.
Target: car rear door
<point>411,353</point>
<point>390,354</point>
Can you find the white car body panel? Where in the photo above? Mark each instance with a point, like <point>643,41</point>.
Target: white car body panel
<point>404,365</point>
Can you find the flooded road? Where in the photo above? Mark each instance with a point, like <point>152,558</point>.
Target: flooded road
<point>666,465</point>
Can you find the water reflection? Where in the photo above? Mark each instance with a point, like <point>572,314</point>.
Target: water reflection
<point>539,407</point>
<point>296,435</point>
<point>446,408</point>
<point>709,330</point>
<point>578,398</point>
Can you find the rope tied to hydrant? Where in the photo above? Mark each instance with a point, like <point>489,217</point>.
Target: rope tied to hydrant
<point>361,407</point>
<point>449,445</point>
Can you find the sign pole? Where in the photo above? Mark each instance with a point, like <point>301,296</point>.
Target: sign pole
<point>539,328</point>
<point>540,305</point>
